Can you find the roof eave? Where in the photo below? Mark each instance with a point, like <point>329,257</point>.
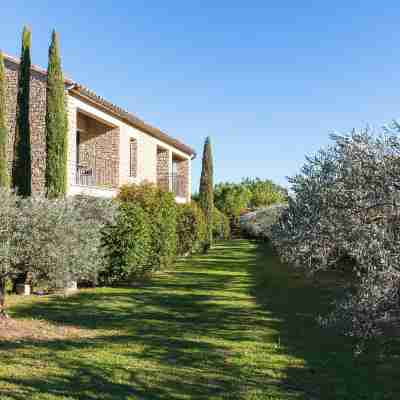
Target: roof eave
<point>129,118</point>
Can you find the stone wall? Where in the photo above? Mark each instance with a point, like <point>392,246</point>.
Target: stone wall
<point>163,177</point>
<point>37,117</point>
<point>182,170</point>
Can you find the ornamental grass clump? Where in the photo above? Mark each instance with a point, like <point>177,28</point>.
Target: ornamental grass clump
<point>346,203</point>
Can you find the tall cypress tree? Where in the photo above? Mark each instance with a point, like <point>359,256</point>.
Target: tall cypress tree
<point>206,192</point>
<point>21,173</point>
<point>56,125</point>
<point>4,177</point>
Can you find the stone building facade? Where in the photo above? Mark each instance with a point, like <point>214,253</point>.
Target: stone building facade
<point>37,116</point>
<point>107,146</point>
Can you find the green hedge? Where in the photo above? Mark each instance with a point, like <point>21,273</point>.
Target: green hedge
<point>160,208</point>
<point>143,238</point>
<point>191,229</point>
<point>151,230</point>
<point>128,243</point>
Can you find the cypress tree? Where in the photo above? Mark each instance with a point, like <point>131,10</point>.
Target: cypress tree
<point>4,177</point>
<point>21,173</point>
<point>206,192</point>
<point>56,125</point>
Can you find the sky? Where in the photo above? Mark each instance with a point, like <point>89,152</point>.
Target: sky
<point>268,81</point>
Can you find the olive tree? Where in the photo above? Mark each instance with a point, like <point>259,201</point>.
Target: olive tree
<point>61,238</point>
<point>9,219</point>
<point>346,203</point>
<point>56,241</point>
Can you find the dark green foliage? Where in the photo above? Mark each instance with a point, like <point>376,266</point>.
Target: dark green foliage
<point>191,229</point>
<point>220,225</point>
<point>128,244</point>
<point>150,231</point>
<point>56,125</point>
<point>234,198</point>
<point>4,177</point>
<point>21,172</point>
<point>161,209</point>
<point>206,192</point>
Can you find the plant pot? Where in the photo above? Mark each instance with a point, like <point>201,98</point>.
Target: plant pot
<point>71,288</point>
<point>23,289</point>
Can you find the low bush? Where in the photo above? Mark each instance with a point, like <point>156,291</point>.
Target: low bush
<point>53,241</point>
<point>221,225</point>
<point>191,229</point>
<point>60,240</point>
<point>128,244</point>
<point>143,238</point>
<point>258,224</point>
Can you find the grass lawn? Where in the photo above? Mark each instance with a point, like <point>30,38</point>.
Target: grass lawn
<point>235,324</point>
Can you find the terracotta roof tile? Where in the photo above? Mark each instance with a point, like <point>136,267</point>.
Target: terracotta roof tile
<point>124,115</point>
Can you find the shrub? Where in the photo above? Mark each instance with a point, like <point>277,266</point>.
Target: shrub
<point>160,208</point>
<point>128,244</point>
<point>346,203</point>
<point>54,241</point>
<point>258,224</point>
<point>233,198</point>
<point>221,225</point>
<point>9,217</point>
<point>191,229</point>
<point>60,240</point>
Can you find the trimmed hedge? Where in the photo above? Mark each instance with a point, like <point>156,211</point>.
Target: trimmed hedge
<point>160,208</point>
<point>128,243</point>
<point>191,229</point>
<point>151,230</point>
<point>143,238</point>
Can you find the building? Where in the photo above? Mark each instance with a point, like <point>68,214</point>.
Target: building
<point>107,146</point>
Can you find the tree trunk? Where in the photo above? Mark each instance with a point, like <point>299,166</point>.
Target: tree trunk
<point>20,279</point>
<point>3,313</point>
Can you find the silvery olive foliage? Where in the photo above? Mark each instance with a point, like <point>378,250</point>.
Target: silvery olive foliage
<point>258,224</point>
<point>53,240</point>
<point>346,203</point>
<point>60,239</point>
<point>9,217</point>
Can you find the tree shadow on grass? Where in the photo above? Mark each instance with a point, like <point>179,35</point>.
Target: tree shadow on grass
<point>331,369</point>
<point>197,334</point>
<point>174,339</point>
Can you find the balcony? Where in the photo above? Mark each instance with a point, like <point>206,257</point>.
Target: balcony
<point>100,173</point>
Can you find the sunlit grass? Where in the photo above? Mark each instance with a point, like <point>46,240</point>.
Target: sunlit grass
<point>235,324</point>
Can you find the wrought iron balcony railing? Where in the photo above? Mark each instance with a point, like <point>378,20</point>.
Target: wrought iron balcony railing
<point>100,173</point>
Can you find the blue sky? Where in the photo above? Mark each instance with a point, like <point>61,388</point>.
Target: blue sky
<point>267,80</point>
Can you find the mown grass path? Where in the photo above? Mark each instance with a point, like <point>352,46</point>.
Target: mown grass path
<point>234,324</point>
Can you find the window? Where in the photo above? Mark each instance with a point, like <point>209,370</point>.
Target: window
<point>133,158</point>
